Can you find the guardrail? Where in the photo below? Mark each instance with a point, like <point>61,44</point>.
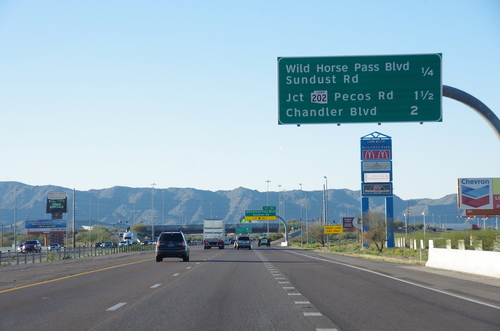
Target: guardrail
<point>9,258</point>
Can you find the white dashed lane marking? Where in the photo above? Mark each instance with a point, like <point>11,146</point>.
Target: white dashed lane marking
<point>115,307</point>
<point>321,322</point>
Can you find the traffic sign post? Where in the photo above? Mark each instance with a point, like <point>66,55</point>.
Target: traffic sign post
<point>359,89</point>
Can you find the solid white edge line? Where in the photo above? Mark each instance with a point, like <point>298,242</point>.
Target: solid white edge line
<point>403,281</point>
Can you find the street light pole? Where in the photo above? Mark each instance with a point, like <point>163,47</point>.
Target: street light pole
<point>423,214</point>
<point>307,216</point>
<point>153,211</point>
<point>267,204</point>
<point>326,200</point>
<point>15,217</point>
<point>279,200</point>
<point>267,194</point>
<point>99,217</point>
<point>326,211</point>
<point>90,221</point>
<point>406,227</point>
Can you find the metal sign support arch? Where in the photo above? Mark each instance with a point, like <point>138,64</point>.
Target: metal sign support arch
<point>286,229</point>
<point>476,104</point>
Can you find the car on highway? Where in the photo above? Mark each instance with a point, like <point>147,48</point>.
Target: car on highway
<point>19,248</point>
<point>98,244</point>
<point>145,242</point>
<point>108,244</point>
<point>32,246</point>
<point>242,242</point>
<point>264,242</point>
<point>172,244</point>
<point>54,247</point>
<point>124,243</point>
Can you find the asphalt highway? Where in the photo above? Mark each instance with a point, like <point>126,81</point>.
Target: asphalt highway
<point>274,288</point>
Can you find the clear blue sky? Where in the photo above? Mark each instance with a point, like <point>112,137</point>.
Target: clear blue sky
<point>96,94</point>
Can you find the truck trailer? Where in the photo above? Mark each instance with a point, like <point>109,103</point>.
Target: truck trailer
<point>213,233</point>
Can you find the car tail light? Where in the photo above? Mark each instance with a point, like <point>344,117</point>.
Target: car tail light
<point>183,244</point>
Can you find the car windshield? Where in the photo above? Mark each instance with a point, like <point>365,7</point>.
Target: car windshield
<point>244,238</point>
<point>171,237</point>
<point>31,242</point>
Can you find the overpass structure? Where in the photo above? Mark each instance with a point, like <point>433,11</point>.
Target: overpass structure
<point>256,228</point>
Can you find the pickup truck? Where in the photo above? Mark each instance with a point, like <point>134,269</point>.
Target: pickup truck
<point>242,242</point>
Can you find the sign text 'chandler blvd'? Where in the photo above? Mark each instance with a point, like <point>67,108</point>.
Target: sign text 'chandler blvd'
<point>359,89</point>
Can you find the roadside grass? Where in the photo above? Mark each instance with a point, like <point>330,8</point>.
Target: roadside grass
<point>349,245</point>
<point>353,248</point>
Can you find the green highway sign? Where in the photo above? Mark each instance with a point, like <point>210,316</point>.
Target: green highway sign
<point>360,89</point>
<point>260,218</point>
<point>270,208</point>
<point>253,213</point>
<point>245,229</point>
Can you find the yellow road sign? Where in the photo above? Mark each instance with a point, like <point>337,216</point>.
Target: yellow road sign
<point>260,218</point>
<point>329,229</point>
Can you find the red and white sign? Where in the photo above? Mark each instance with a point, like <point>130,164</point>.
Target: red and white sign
<point>378,154</point>
<point>348,223</point>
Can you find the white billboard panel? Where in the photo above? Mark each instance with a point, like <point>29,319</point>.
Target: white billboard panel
<point>377,177</point>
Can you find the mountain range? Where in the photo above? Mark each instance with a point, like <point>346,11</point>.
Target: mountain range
<point>125,205</point>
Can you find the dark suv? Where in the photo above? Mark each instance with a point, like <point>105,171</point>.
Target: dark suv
<point>172,244</point>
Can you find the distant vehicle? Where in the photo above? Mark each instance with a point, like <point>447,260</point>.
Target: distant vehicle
<point>145,242</point>
<point>124,243</point>
<point>242,242</point>
<point>475,227</point>
<point>108,244</point>
<point>213,233</point>
<point>32,246</point>
<point>172,244</point>
<point>19,248</point>
<point>98,244</point>
<point>54,247</point>
<point>264,242</point>
<point>132,237</point>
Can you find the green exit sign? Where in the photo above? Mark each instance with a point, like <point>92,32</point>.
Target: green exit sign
<point>359,89</point>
